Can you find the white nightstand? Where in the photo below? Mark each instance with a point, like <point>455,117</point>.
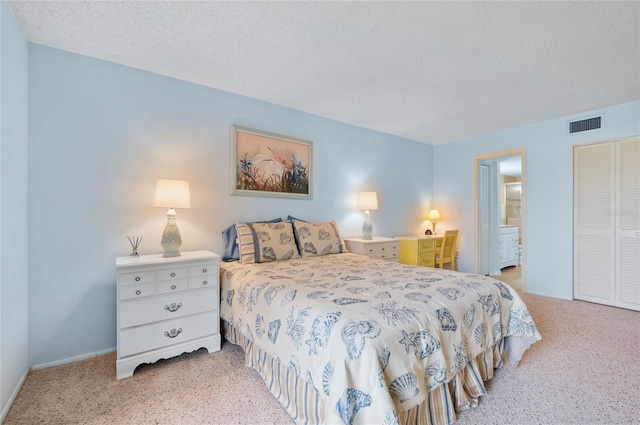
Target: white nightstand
<point>384,248</point>
<point>166,306</point>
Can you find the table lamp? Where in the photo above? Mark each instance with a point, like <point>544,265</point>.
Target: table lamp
<point>434,215</point>
<point>171,194</point>
<point>367,201</point>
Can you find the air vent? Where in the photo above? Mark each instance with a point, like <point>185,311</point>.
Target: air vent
<point>588,124</point>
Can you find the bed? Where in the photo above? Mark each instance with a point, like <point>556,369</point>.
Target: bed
<point>344,338</point>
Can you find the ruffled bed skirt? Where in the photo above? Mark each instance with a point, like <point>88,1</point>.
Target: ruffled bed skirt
<point>305,405</point>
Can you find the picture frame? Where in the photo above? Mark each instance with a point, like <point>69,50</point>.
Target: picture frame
<point>270,165</point>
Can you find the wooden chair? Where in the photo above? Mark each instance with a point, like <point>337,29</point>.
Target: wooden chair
<point>446,252</point>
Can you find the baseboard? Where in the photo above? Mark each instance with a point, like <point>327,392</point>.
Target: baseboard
<point>14,394</point>
<point>73,359</point>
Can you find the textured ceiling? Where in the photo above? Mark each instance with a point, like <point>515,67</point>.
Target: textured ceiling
<point>433,72</point>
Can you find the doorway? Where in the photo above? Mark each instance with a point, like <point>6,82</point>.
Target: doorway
<point>500,216</point>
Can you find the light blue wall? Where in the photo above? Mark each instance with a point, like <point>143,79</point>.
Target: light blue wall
<point>13,201</point>
<point>100,134</point>
<point>549,199</point>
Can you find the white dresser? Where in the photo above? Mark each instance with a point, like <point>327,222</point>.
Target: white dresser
<point>384,248</point>
<point>166,306</point>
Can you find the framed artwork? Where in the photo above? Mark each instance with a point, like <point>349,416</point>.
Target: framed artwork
<point>270,165</point>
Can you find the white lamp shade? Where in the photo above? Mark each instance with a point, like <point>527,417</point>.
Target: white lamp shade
<point>434,215</point>
<point>172,194</point>
<point>368,201</point>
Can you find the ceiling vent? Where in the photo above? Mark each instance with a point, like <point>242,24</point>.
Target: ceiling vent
<point>588,124</point>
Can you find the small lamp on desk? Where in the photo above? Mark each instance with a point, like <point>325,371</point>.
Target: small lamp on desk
<point>367,201</point>
<point>434,215</point>
<point>171,194</point>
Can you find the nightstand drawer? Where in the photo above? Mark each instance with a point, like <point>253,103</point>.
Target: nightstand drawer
<point>203,270</point>
<point>169,332</point>
<point>134,313</point>
<point>381,248</point>
<point>170,286</point>
<point>385,255</point>
<point>378,247</point>
<point>173,274</point>
<point>426,246</point>
<point>136,278</point>
<point>137,291</point>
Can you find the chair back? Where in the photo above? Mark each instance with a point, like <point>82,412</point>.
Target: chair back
<point>448,248</point>
<point>447,252</point>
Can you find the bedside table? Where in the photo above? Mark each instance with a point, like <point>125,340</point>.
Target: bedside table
<point>166,306</point>
<point>419,250</point>
<point>383,248</point>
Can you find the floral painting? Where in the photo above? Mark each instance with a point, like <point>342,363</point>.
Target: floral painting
<point>265,164</point>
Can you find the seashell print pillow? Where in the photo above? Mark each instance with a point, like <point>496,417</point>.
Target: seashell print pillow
<point>316,239</point>
<point>263,242</point>
<point>230,241</point>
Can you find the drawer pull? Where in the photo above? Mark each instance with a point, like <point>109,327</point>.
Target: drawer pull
<point>137,278</point>
<point>204,270</point>
<point>204,282</point>
<point>173,307</point>
<point>173,286</point>
<point>173,333</point>
<point>173,275</point>
<point>138,292</point>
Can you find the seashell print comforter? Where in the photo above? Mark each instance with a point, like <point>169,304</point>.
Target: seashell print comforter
<point>372,337</point>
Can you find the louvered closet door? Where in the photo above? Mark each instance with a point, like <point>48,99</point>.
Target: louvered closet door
<point>628,224</point>
<point>594,223</point>
<point>483,221</point>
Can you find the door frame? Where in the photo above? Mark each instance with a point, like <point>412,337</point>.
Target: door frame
<point>482,158</point>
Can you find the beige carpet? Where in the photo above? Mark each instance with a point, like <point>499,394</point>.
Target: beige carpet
<point>586,370</point>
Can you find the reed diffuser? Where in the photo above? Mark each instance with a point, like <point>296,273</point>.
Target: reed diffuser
<point>135,242</point>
